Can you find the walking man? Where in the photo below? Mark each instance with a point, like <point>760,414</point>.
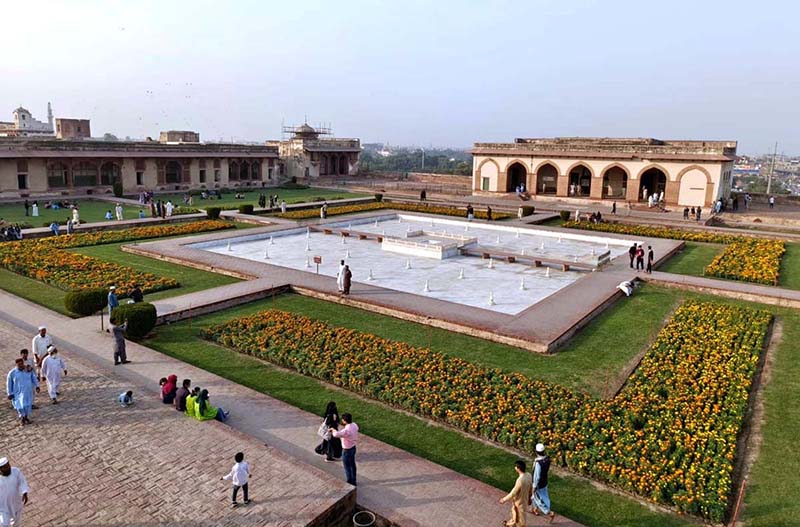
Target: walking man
<point>540,496</point>
<point>118,332</point>
<point>340,276</point>
<point>39,346</point>
<point>347,281</point>
<point>13,494</point>
<point>112,300</point>
<point>520,496</point>
<point>20,384</point>
<point>349,437</point>
<point>650,258</point>
<point>118,211</point>
<point>488,213</point>
<point>632,253</point>
<point>239,475</point>
<point>52,368</point>
<point>639,258</point>
<point>470,213</point>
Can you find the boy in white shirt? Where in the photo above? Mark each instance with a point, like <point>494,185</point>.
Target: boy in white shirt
<point>239,475</point>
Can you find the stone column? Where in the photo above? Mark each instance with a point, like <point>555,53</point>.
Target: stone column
<point>596,190</point>
<point>562,185</point>
<point>632,193</point>
<point>671,191</point>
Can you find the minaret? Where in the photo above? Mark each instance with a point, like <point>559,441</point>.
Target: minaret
<point>50,116</point>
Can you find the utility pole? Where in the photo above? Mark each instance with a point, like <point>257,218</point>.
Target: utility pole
<point>772,169</point>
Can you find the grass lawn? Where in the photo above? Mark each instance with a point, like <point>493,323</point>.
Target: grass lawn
<point>37,292</point>
<point>589,362</point>
<point>773,483</point>
<point>790,267</point>
<point>692,259</point>
<point>91,211</point>
<point>251,196</point>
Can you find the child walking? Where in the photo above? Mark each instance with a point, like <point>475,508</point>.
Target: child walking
<point>239,475</point>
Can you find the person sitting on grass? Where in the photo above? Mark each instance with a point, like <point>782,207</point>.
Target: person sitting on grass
<point>205,411</point>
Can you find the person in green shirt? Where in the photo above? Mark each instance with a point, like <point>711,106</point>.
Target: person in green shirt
<point>191,402</point>
<point>204,411</point>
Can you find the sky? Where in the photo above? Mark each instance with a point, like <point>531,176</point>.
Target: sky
<point>430,73</point>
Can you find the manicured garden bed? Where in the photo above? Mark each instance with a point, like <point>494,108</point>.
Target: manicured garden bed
<point>402,206</point>
<point>46,260</point>
<point>647,440</point>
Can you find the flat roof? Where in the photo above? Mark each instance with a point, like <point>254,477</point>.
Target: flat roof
<point>51,147</point>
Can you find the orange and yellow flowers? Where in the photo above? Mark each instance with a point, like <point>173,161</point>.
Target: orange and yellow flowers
<point>669,435</point>
<point>409,207</point>
<point>46,260</point>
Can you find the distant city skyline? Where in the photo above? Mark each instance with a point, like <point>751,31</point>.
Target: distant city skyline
<point>445,75</point>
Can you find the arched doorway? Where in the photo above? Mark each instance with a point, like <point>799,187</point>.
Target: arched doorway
<point>343,165</point>
<point>580,181</point>
<point>255,171</point>
<point>109,173</point>
<point>57,175</point>
<point>244,171</point>
<point>515,176</point>
<point>233,171</point>
<point>173,172</point>
<point>652,180</point>
<point>546,179</point>
<point>84,174</point>
<point>615,183</point>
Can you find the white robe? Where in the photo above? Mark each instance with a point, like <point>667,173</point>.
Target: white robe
<point>53,370</point>
<point>12,487</point>
<point>170,207</point>
<point>76,216</point>
<point>35,210</point>
<point>118,212</point>
<point>340,278</point>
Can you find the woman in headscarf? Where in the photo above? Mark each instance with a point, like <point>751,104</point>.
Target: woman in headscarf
<point>168,389</point>
<point>206,412</point>
<point>333,450</point>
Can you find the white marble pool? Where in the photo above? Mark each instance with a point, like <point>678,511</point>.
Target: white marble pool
<point>469,280</point>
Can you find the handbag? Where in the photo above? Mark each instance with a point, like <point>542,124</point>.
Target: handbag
<point>324,432</point>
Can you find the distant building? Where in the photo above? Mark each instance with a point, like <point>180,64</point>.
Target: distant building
<point>24,125</point>
<point>179,136</point>
<point>73,128</point>
<point>689,173</point>
<point>41,165</point>
<point>306,155</point>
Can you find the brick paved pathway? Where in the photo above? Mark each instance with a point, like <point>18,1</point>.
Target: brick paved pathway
<point>91,463</point>
<point>404,488</point>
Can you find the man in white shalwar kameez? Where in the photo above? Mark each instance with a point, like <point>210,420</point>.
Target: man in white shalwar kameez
<point>13,494</point>
<point>52,369</point>
<point>340,276</point>
<point>39,345</point>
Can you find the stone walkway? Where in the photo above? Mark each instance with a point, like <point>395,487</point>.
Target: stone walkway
<point>401,487</point>
<point>90,462</point>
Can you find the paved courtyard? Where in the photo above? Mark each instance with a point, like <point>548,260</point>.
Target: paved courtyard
<point>92,463</point>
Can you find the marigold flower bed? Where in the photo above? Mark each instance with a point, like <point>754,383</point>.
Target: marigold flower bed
<point>746,258</point>
<point>409,207</point>
<point>46,260</point>
<point>669,436</point>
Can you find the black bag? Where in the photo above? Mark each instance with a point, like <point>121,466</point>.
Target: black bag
<point>320,449</point>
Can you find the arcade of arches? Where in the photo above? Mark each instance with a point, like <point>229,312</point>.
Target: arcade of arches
<point>689,184</point>
<point>334,165</point>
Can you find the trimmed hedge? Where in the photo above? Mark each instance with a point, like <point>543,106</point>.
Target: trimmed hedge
<point>379,197</point>
<point>213,212</point>
<point>565,214</point>
<point>527,210</point>
<point>85,302</point>
<point>246,208</point>
<point>141,318</point>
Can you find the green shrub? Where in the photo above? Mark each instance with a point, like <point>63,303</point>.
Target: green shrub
<point>378,197</point>
<point>527,210</point>
<point>85,302</point>
<point>117,189</point>
<point>564,215</point>
<point>246,208</point>
<point>141,318</point>
<point>213,212</point>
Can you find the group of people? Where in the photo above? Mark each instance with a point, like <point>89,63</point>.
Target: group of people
<point>692,213</point>
<point>22,382</point>
<point>339,439</point>
<point>654,199</point>
<point>530,490</point>
<point>193,402</point>
<point>636,252</point>
<point>117,213</point>
<point>161,209</point>
<point>10,233</point>
<point>344,278</point>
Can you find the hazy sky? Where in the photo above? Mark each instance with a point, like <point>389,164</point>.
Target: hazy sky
<point>424,73</point>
